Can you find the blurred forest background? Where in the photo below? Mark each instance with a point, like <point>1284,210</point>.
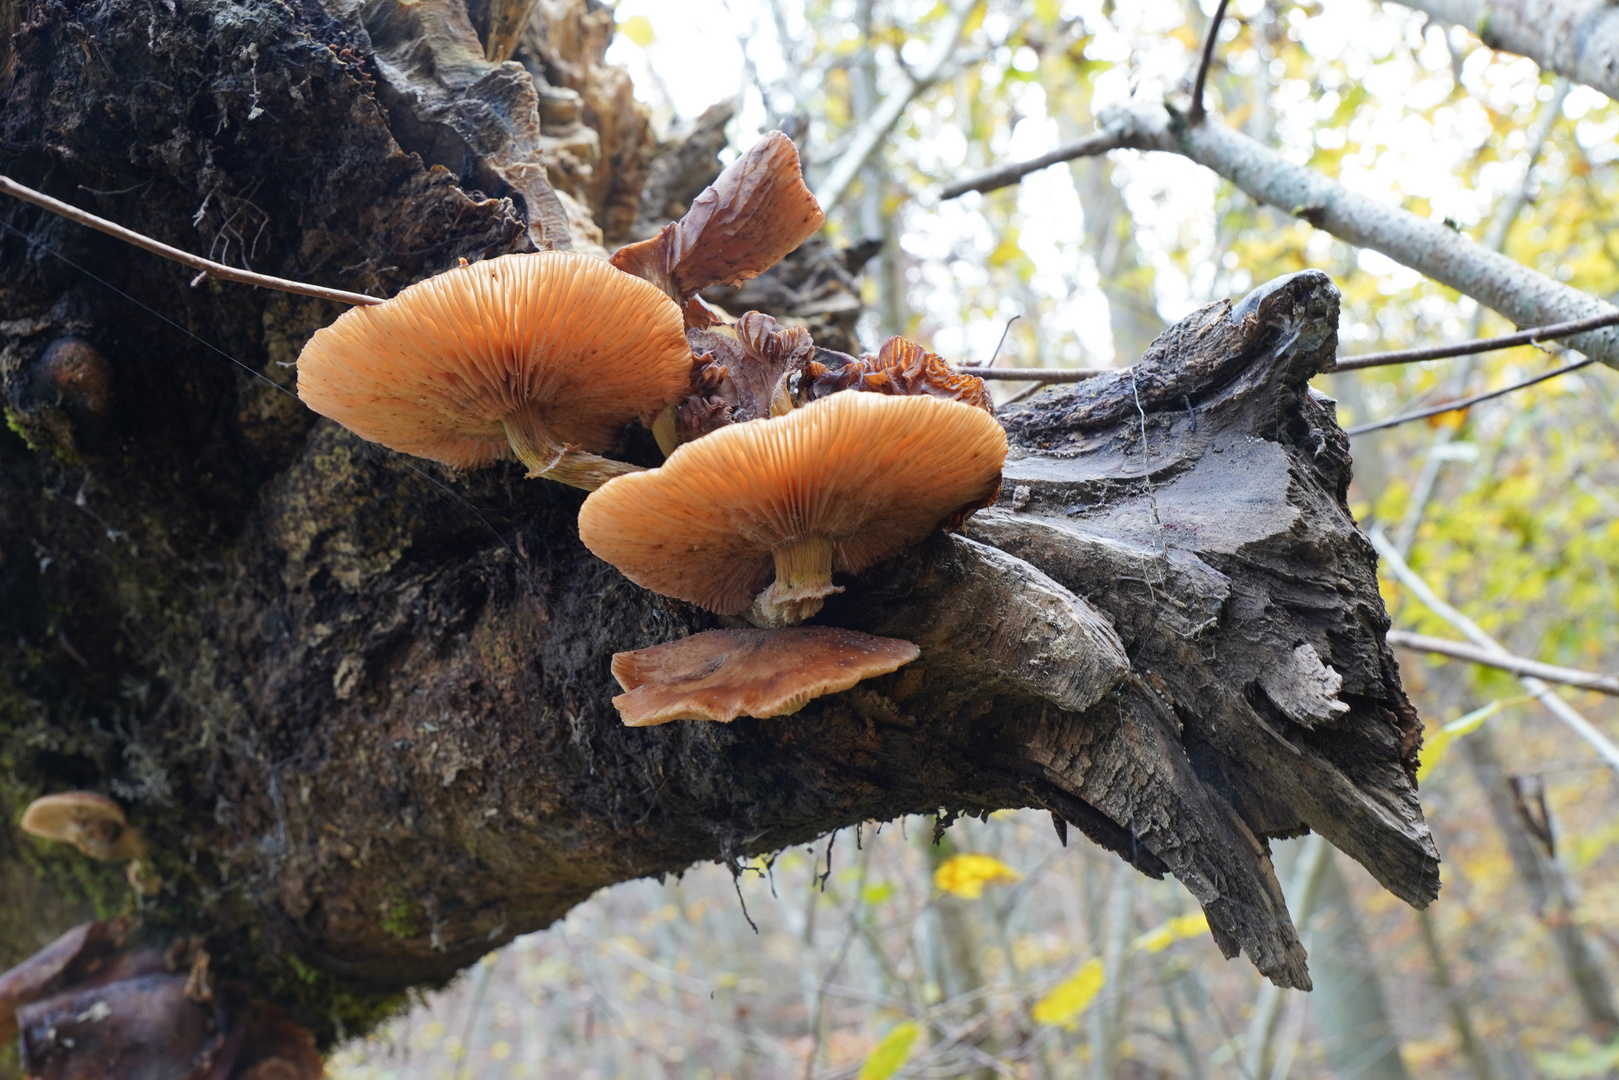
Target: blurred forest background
<point>998,952</point>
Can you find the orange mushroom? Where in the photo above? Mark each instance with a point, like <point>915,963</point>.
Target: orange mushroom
<point>545,356</point>
<point>834,486</point>
<point>723,674</point>
<point>92,823</point>
<point>757,211</point>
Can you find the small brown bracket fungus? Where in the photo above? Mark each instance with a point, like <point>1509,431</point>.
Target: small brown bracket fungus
<point>836,485</point>
<point>92,823</point>
<point>757,211</point>
<point>543,356</point>
<point>723,674</point>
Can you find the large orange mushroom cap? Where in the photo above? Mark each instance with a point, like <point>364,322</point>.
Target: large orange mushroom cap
<point>723,674</point>
<point>555,350</point>
<point>834,486</point>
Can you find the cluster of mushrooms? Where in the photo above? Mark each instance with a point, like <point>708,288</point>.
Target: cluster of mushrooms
<point>784,462</point>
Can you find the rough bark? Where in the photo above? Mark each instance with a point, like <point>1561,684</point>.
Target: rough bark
<point>1575,38</point>
<point>359,706</point>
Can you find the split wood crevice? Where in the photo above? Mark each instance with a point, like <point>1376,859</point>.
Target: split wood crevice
<point>359,708</point>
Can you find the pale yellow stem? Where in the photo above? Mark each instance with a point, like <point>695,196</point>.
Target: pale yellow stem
<point>803,581</point>
<point>534,446</point>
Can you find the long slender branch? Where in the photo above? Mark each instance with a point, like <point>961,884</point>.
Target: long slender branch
<point>1522,295</point>
<point>1476,634</point>
<point>875,128</point>
<point>1576,38</point>
<point>1518,665</point>
<point>1209,39</point>
<point>1466,402</point>
<point>196,262</point>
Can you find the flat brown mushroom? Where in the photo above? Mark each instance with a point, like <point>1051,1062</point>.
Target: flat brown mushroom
<point>834,486</point>
<point>77,954</point>
<point>542,356</point>
<point>757,211</point>
<point>723,674</point>
<point>143,1028</point>
<point>92,823</point>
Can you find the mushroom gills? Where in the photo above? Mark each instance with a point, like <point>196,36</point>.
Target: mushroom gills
<point>803,581</point>
<point>532,442</point>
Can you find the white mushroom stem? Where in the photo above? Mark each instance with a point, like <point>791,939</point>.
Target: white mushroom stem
<point>803,581</point>
<point>534,446</point>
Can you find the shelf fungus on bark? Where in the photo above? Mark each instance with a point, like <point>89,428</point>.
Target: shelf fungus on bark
<point>88,1008</point>
<point>723,674</point>
<point>92,823</point>
<point>543,356</point>
<point>835,486</point>
<point>757,211</point>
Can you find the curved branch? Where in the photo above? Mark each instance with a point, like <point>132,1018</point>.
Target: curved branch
<point>1575,38</point>
<point>1524,296</point>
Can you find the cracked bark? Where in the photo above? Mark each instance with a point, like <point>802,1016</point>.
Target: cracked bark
<point>359,706</point>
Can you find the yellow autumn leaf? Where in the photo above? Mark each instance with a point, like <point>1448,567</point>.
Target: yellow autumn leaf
<point>1071,997</point>
<point>638,28</point>
<point>1433,746</point>
<point>886,1058</point>
<point>1163,936</point>
<point>966,875</point>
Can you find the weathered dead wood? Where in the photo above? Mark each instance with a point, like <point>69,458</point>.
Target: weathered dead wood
<point>359,707</point>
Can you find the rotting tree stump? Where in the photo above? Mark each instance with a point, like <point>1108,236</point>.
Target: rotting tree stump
<point>359,706</point>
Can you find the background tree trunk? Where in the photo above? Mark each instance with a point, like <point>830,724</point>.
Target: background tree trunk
<point>359,706</point>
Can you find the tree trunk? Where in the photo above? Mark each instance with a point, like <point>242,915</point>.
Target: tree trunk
<point>359,705</point>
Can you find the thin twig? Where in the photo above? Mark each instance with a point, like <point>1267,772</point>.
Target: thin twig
<point>196,262</point>
<point>1466,402</point>
<point>1518,665</point>
<point>1007,175</point>
<point>1530,336</point>
<point>1473,632</point>
<point>1036,374</point>
<point>1196,115</point>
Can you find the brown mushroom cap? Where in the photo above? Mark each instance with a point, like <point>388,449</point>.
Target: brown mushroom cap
<point>723,674</point>
<point>756,212</point>
<point>92,823</point>
<point>840,483</point>
<point>556,341</point>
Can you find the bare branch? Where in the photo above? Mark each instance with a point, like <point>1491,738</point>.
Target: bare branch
<point>1475,633</point>
<point>1429,247</point>
<point>1531,336</point>
<point>1518,665</point>
<point>1466,402</point>
<point>1213,35</point>
<point>875,128</point>
<point>1007,175</point>
<point>1037,374</point>
<point>1576,38</point>
<point>196,262</point>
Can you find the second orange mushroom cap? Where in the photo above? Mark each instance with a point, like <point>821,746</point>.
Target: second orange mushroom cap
<point>837,485</point>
